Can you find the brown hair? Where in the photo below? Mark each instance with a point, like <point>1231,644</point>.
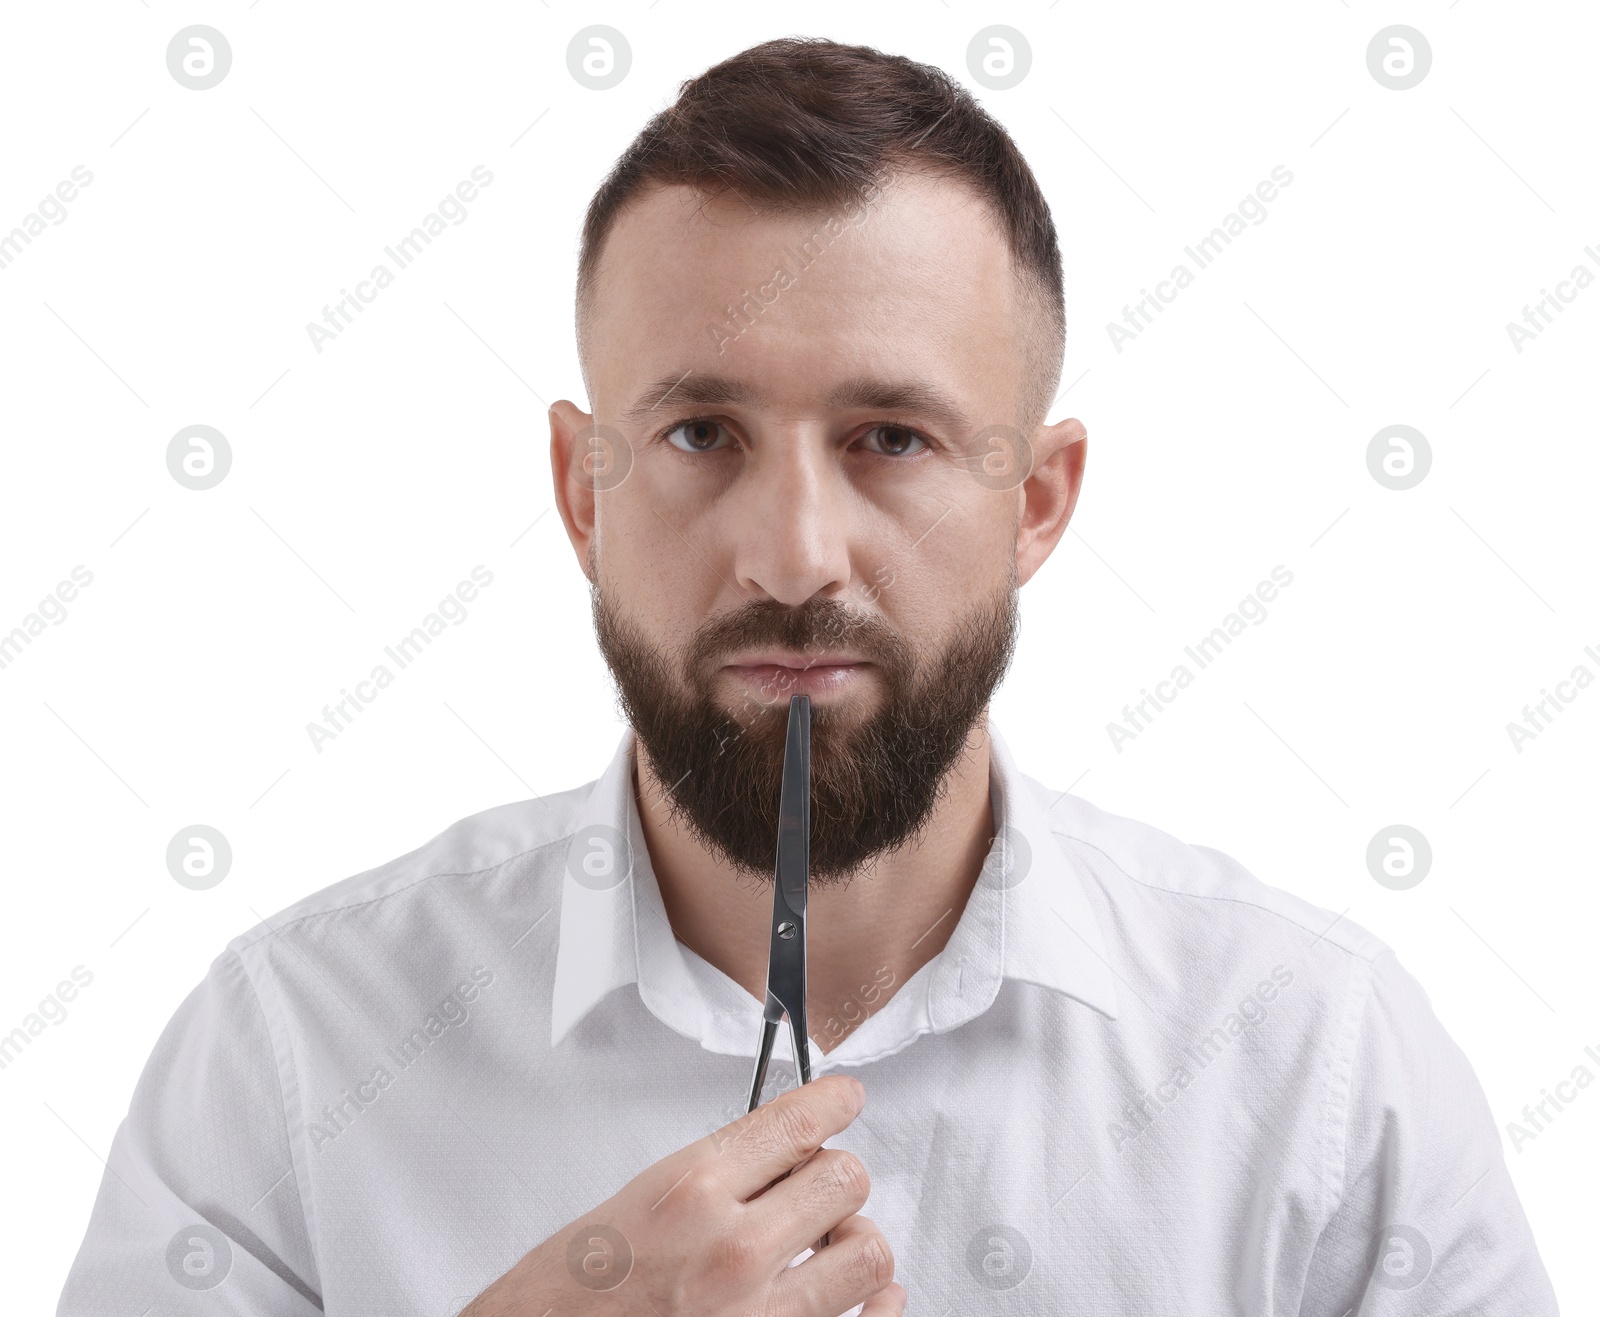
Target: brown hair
<point>805,125</point>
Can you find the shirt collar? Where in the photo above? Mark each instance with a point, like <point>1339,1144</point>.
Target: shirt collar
<point>1028,918</point>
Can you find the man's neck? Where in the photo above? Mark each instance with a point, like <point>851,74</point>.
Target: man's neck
<point>864,938</point>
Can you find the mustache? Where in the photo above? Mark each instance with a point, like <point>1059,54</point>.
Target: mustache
<point>814,627</point>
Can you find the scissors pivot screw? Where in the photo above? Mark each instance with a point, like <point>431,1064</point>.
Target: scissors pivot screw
<point>786,929</point>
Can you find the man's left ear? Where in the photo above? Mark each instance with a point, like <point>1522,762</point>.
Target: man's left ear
<point>1050,493</point>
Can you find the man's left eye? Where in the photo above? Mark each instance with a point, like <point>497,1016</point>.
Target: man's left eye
<point>897,440</point>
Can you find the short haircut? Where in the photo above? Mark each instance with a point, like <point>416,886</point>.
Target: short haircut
<point>806,125</point>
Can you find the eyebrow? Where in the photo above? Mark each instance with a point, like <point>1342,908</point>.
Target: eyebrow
<point>859,393</point>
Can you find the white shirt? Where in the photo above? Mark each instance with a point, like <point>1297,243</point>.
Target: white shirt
<point>1135,1081</point>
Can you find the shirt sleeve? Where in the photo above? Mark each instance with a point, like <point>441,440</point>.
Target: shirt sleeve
<point>199,1209</point>
<point>1427,1206</point>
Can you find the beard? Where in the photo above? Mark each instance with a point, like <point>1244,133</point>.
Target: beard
<point>875,780</point>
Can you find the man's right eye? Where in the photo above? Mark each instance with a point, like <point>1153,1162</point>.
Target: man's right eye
<point>698,436</point>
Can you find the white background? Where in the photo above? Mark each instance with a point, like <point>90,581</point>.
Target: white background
<point>366,480</point>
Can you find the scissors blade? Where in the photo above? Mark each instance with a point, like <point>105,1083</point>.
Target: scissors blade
<point>786,965</point>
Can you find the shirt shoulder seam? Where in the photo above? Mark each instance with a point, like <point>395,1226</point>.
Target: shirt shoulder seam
<point>282,1056</point>
<point>1358,992</point>
<point>344,907</point>
<point>1377,949</point>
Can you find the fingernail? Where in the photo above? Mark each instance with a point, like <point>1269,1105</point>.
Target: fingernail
<point>861,1093</point>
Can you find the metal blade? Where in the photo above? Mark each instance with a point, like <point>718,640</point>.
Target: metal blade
<point>786,965</point>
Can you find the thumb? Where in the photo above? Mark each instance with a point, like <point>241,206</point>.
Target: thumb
<point>890,1301</point>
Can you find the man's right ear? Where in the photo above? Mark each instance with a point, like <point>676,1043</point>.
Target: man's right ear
<point>571,479</point>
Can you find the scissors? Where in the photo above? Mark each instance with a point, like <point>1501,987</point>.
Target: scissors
<point>786,960</point>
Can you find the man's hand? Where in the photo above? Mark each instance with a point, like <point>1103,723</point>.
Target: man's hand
<point>710,1230</point>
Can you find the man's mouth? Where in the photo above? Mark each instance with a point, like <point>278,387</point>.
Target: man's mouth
<point>776,674</point>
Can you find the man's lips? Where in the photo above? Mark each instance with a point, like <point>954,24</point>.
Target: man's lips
<point>789,675</point>
<point>789,659</point>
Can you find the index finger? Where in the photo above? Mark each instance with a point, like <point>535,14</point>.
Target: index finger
<point>776,1137</point>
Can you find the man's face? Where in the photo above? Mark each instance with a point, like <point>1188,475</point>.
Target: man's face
<point>796,493</point>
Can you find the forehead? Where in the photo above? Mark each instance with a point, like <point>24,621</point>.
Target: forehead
<point>916,284</point>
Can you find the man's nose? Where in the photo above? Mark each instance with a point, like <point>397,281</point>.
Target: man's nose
<point>787,522</point>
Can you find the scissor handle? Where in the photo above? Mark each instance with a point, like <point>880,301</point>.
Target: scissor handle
<point>769,1031</point>
<point>802,1052</point>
